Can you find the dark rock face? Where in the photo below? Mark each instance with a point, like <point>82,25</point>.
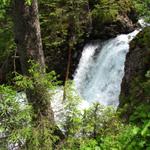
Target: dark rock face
<point>123,24</point>
<point>136,66</point>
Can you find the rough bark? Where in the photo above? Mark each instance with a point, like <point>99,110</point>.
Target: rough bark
<point>29,46</point>
<point>27,33</point>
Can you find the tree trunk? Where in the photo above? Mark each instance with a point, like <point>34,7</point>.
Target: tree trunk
<point>67,70</point>
<point>29,46</point>
<point>71,40</point>
<point>27,33</point>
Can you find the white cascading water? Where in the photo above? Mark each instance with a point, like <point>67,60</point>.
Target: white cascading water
<point>101,69</point>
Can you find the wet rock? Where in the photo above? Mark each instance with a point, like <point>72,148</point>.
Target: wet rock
<point>136,66</point>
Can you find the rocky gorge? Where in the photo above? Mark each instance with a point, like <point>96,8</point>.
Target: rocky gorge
<point>136,67</point>
<point>97,26</point>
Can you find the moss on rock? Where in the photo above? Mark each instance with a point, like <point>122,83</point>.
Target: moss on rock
<point>135,82</point>
<point>112,17</point>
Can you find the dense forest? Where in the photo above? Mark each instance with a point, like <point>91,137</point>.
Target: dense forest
<point>75,74</point>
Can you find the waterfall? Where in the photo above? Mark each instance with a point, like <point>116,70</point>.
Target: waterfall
<point>142,23</point>
<point>101,69</point>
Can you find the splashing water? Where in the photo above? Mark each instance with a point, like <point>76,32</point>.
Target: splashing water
<point>101,69</point>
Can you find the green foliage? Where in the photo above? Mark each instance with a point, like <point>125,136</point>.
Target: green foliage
<point>143,39</point>
<point>56,18</point>
<point>6,42</point>
<point>101,128</point>
<point>7,45</point>
<point>42,136</point>
<point>72,122</point>
<point>48,80</point>
<point>4,2</point>
<point>28,2</point>
<point>105,11</point>
<point>108,11</point>
<point>17,126</point>
<point>15,117</point>
<point>142,8</point>
<point>135,135</point>
<point>87,129</point>
<point>97,127</point>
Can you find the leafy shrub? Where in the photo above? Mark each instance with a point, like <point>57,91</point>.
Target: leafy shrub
<point>96,127</point>
<point>15,117</point>
<point>16,113</point>
<point>142,7</point>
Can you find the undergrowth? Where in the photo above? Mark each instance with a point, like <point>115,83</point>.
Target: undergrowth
<point>94,128</point>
